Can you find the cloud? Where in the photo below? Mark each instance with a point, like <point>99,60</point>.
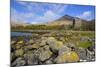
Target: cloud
<point>49,16</point>
<point>43,7</point>
<point>37,12</point>
<point>20,17</point>
<point>22,3</point>
<point>86,15</point>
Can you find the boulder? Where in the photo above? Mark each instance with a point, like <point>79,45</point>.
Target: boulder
<point>31,41</point>
<point>18,62</point>
<point>17,46</point>
<point>20,42</point>
<point>90,55</point>
<point>12,42</point>
<point>63,50</point>
<point>84,39</point>
<point>82,53</point>
<point>67,57</point>
<point>19,52</point>
<point>30,58</point>
<point>71,46</point>
<point>48,62</point>
<point>54,44</point>
<point>34,46</point>
<point>43,43</point>
<point>45,53</point>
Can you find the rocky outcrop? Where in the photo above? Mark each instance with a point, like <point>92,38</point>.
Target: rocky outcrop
<point>50,50</point>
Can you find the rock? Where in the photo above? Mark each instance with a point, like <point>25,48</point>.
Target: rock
<point>72,46</point>
<point>91,48</point>
<point>59,45</point>
<point>17,46</point>
<point>31,41</point>
<point>90,55</point>
<point>20,42</point>
<point>82,53</point>
<point>45,53</point>
<point>12,56</point>
<point>54,44</point>
<point>62,39</point>
<point>48,62</point>
<point>34,46</point>
<point>67,57</point>
<point>12,42</point>
<point>66,39</point>
<point>35,34</point>
<point>92,39</point>
<point>43,38</point>
<point>43,42</point>
<point>63,50</point>
<point>18,62</point>
<point>86,55</point>
<point>31,58</point>
<point>19,52</point>
<point>84,39</point>
<point>51,38</point>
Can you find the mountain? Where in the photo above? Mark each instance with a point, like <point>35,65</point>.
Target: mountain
<point>66,17</point>
<point>64,20</point>
<point>14,24</point>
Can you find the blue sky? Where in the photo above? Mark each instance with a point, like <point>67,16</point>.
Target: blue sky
<point>36,13</point>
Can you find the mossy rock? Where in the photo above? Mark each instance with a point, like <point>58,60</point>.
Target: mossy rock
<point>59,44</point>
<point>67,57</point>
<point>43,43</point>
<point>72,57</point>
<point>18,46</point>
<point>54,44</point>
<point>45,53</point>
<point>31,41</point>
<point>35,46</point>
<point>20,42</point>
<point>12,42</point>
<point>12,56</point>
<point>19,52</point>
<point>32,46</point>
<point>51,38</point>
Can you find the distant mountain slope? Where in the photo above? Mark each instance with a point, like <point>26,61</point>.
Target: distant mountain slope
<point>64,20</point>
<point>18,23</point>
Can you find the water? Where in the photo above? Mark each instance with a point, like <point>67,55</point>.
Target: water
<point>20,34</point>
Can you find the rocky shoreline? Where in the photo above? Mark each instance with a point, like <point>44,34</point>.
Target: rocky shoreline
<point>51,49</point>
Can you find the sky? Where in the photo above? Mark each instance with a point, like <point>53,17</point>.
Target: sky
<point>37,13</point>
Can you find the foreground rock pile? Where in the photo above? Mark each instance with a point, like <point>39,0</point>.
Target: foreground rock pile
<point>48,50</point>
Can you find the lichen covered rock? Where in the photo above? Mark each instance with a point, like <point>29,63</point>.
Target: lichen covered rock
<point>19,52</point>
<point>45,53</point>
<point>54,44</point>
<point>67,57</point>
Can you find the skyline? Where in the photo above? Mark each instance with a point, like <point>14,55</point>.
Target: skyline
<point>36,12</point>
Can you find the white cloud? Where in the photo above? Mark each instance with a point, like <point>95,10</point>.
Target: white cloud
<point>57,8</point>
<point>20,17</point>
<point>49,16</point>
<point>32,12</point>
<point>22,3</point>
<point>86,15</point>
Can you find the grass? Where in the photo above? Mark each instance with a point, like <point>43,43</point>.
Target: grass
<point>85,44</point>
<point>88,34</point>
